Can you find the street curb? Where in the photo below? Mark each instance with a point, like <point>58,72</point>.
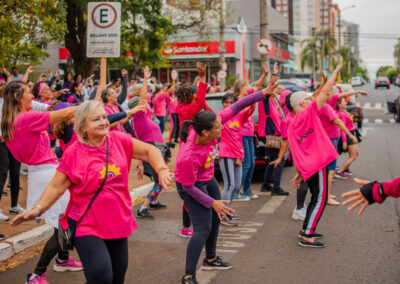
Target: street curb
<point>18,243</point>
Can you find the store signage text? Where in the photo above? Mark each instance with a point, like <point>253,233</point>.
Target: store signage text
<point>186,48</point>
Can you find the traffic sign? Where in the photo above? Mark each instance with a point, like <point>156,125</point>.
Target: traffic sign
<point>174,74</point>
<point>264,46</point>
<point>104,29</point>
<point>221,74</point>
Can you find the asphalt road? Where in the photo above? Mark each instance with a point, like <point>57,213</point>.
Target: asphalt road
<point>263,249</point>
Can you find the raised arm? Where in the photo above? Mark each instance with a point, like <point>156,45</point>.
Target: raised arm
<point>28,71</point>
<point>8,75</point>
<point>143,91</point>
<point>62,114</point>
<point>324,96</point>
<point>352,93</point>
<point>122,97</point>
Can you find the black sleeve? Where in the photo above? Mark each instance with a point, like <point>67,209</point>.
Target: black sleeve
<point>366,190</point>
<point>93,93</point>
<point>122,97</point>
<point>51,81</point>
<point>68,131</point>
<point>114,117</point>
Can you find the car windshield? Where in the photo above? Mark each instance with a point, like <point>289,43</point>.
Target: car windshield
<point>382,79</point>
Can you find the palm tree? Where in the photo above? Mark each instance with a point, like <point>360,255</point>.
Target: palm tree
<point>307,53</point>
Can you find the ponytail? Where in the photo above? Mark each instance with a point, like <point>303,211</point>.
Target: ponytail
<point>203,120</point>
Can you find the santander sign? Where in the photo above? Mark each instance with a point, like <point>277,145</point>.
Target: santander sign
<point>186,48</point>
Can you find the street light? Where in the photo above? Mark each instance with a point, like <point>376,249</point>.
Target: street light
<point>241,28</point>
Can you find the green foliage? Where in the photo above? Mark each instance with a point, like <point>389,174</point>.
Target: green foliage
<point>26,27</point>
<point>229,80</point>
<point>382,70</point>
<point>392,73</point>
<point>363,72</point>
<point>397,55</point>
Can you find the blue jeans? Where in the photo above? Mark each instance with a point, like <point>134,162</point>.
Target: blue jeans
<point>332,165</point>
<point>248,164</point>
<point>161,119</point>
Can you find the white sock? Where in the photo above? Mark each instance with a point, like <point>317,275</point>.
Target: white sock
<point>33,275</point>
<point>143,208</point>
<point>154,202</point>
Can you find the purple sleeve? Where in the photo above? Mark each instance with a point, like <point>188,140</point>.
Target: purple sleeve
<point>227,113</point>
<point>199,196</point>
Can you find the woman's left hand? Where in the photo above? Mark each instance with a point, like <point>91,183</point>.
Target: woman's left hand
<point>26,216</point>
<point>165,178</point>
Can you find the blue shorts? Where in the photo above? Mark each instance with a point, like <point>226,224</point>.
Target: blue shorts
<point>332,165</point>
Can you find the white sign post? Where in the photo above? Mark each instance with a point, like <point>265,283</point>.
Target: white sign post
<point>103,32</point>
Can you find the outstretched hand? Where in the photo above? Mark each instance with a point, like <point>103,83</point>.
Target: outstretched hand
<point>165,178</point>
<point>25,216</point>
<point>356,197</point>
<point>269,90</point>
<point>276,68</point>
<point>363,93</point>
<point>221,209</point>
<point>265,71</point>
<point>340,64</point>
<point>201,70</point>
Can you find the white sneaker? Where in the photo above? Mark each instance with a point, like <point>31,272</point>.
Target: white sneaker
<point>3,218</point>
<point>299,214</point>
<point>16,210</point>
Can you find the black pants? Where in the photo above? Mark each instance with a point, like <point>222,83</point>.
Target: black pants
<point>205,224</point>
<point>301,195</point>
<point>50,250</point>
<point>9,163</point>
<point>175,129</point>
<point>319,190</point>
<point>273,174</point>
<point>185,217</point>
<point>104,261</point>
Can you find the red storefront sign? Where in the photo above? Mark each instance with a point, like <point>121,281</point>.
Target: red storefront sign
<point>63,53</point>
<point>187,48</point>
<point>280,53</point>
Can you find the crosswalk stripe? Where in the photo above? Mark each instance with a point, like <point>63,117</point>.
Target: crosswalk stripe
<point>366,120</point>
<point>367,105</point>
<point>391,120</point>
<point>272,205</point>
<point>378,120</point>
<point>378,105</point>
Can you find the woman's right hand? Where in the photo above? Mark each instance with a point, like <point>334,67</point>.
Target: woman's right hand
<point>26,216</point>
<point>269,90</point>
<point>221,209</point>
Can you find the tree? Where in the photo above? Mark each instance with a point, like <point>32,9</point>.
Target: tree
<point>392,73</point>
<point>397,54</point>
<point>26,28</point>
<point>382,70</point>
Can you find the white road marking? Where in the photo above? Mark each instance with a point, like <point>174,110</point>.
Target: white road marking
<point>228,250</point>
<point>234,236</point>
<point>378,106</point>
<point>230,244</point>
<point>392,120</point>
<point>378,120</point>
<point>241,230</point>
<point>365,120</point>
<point>272,205</point>
<point>367,106</point>
<point>250,224</point>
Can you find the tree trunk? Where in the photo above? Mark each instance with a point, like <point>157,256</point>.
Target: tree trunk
<point>75,39</point>
<point>264,30</point>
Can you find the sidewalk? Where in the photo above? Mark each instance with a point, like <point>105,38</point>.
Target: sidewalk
<point>31,233</point>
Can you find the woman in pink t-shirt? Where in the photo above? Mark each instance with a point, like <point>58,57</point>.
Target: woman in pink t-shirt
<point>101,235</point>
<point>197,186</point>
<point>22,127</point>
<point>161,100</point>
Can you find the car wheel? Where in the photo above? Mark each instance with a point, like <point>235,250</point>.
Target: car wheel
<point>388,87</point>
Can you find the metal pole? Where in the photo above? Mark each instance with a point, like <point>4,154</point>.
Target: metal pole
<point>264,31</point>
<point>313,55</point>
<point>221,43</point>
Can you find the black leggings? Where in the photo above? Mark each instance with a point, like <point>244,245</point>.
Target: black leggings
<point>104,261</point>
<point>205,224</point>
<point>301,195</point>
<point>50,250</point>
<point>185,217</point>
<point>8,162</point>
<point>175,129</point>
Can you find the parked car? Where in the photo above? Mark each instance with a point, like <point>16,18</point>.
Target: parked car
<point>356,81</point>
<point>382,82</point>
<point>292,82</point>
<point>397,81</point>
<point>394,107</point>
<point>214,101</point>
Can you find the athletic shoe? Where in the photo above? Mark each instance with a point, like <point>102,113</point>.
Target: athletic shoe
<point>216,264</point>
<point>3,218</point>
<point>314,244</point>
<point>69,265</point>
<point>239,197</point>
<point>299,214</point>
<point>144,214</point>
<point>186,233</point>
<point>279,191</point>
<point>265,188</point>
<point>314,235</point>
<point>229,222</point>
<point>251,195</point>
<point>2,237</point>
<point>16,210</point>
<point>191,280</point>
<point>235,217</point>
<point>348,172</point>
<point>39,279</point>
<point>157,206</point>
<point>341,175</point>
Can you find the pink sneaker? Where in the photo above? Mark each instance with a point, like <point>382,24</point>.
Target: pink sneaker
<point>69,265</point>
<point>186,233</point>
<point>348,172</point>
<point>37,280</point>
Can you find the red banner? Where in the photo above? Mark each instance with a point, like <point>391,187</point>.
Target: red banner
<point>280,53</point>
<point>186,48</point>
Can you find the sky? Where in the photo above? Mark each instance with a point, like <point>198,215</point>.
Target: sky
<point>376,18</point>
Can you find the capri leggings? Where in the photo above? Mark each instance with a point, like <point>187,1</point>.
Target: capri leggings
<point>318,188</point>
<point>104,261</point>
<point>155,191</point>
<point>232,175</point>
<point>205,224</point>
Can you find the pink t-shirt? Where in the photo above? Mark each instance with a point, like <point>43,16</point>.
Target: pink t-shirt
<point>110,216</point>
<point>31,143</point>
<point>160,102</point>
<point>110,110</point>
<point>347,120</point>
<point>310,146</point>
<point>172,106</point>
<point>282,99</point>
<point>333,101</point>
<point>274,114</point>
<point>196,162</point>
<point>285,124</point>
<point>248,126</point>
<point>231,144</point>
<point>149,112</point>
<point>145,129</point>
<point>327,115</point>
<point>149,97</point>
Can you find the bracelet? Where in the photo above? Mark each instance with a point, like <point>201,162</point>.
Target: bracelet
<point>162,167</point>
<point>40,208</point>
<point>276,75</point>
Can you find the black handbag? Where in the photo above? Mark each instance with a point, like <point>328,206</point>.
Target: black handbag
<point>66,234</point>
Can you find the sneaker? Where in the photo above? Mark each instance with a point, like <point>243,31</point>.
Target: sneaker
<point>265,188</point>
<point>39,279</point>
<point>191,280</point>
<point>314,244</point>
<point>2,237</point>
<point>144,214</point>
<point>239,197</point>
<point>3,218</point>
<point>69,265</point>
<point>251,195</point>
<point>16,210</point>
<point>314,235</point>
<point>216,264</point>
<point>299,214</point>
<point>279,191</point>
<point>348,172</point>
<point>157,206</point>
<point>186,233</point>
<point>235,217</point>
<point>341,175</point>
<point>229,222</point>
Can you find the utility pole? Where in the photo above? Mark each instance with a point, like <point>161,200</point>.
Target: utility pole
<point>264,30</point>
<point>323,37</point>
<point>221,48</point>
<point>313,56</point>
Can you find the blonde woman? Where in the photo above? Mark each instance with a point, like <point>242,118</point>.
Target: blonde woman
<point>21,127</point>
<point>102,234</point>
